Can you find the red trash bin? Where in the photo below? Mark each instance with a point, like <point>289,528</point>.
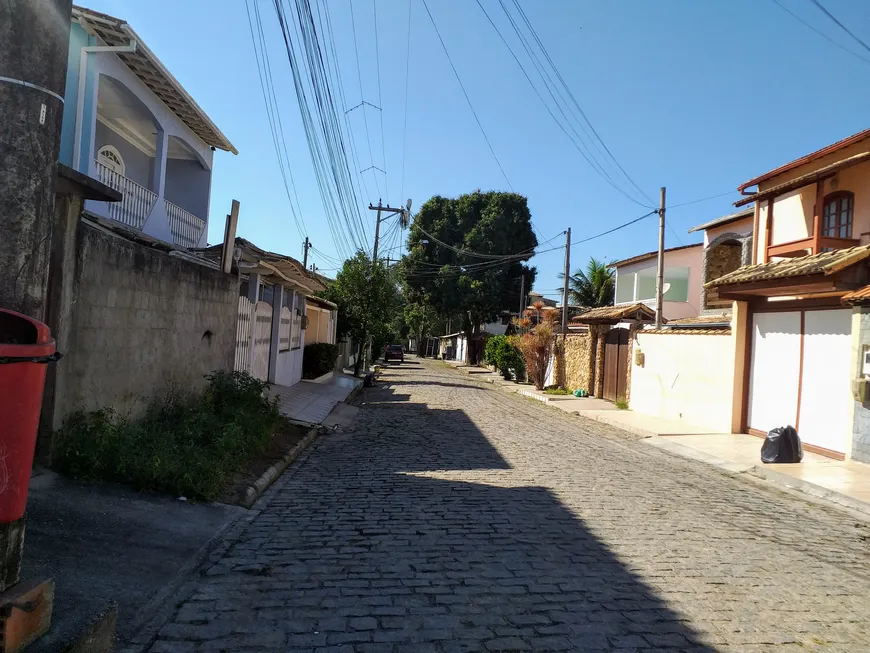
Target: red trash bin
<point>26,346</point>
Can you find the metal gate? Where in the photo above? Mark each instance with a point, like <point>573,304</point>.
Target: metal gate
<point>615,364</point>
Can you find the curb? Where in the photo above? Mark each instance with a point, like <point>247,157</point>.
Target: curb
<point>762,472</point>
<point>255,491</point>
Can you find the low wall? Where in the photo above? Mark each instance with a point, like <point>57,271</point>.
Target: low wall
<point>688,377</point>
<point>140,322</point>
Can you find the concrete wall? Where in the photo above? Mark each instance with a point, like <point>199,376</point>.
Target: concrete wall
<point>690,258</point>
<point>688,377</point>
<point>138,166</point>
<point>141,323</point>
<point>188,185</point>
<point>742,226</point>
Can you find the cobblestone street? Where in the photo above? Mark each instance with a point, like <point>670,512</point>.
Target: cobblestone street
<point>456,517</point>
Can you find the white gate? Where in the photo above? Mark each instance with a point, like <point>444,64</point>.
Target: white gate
<point>262,341</point>
<point>244,330</point>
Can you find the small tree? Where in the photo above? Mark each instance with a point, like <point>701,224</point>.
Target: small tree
<point>502,353</point>
<point>368,301</point>
<point>536,346</point>
<point>593,287</point>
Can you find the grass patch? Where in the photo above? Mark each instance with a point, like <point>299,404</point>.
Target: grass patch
<point>556,391</point>
<point>621,405</point>
<point>185,446</point>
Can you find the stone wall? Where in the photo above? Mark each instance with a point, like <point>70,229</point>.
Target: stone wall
<point>141,322</point>
<point>861,422</point>
<point>578,362</point>
<point>724,254</point>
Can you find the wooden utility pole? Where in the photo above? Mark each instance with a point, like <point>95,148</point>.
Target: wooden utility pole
<point>660,272</point>
<point>34,46</point>
<point>565,285</point>
<point>306,245</point>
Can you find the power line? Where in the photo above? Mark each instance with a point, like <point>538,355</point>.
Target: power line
<point>819,32</point>
<point>841,25</point>
<point>362,97</point>
<point>703,199</point>
<point>467,99</point>
<point>407,71</point>
<point>380,99</point>
<point>561,79</point>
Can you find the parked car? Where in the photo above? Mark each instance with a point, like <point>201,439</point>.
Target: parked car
<point>394,352</point>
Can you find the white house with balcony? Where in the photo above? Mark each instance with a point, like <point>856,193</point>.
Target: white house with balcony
<point>129,123</point>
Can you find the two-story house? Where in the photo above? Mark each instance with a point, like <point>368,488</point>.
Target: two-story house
<point>129,123</point>
<point>800,314</point>
<point>636,281</point>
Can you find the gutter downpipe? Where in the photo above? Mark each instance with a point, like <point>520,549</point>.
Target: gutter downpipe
<point>80,100</point>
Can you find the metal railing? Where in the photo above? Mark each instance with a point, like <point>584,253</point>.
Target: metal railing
<point>185,226</point>
<point>137,202</point>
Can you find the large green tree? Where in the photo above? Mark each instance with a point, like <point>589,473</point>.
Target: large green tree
<point>466,257</point>
<point>368,299</point>
<point>592,287</point>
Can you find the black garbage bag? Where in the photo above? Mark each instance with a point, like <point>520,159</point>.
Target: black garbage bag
<point>782,445</point>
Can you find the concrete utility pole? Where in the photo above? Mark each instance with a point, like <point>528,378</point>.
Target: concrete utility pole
<point>522,295</point>
<point>404,214</point>
<point>660,273</point>
<point>306,245</point>
<point>34,45</point>
<point>565,285</point>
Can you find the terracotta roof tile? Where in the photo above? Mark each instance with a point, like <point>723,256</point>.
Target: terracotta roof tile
<point>701,319</point>
<point>615,313</point>
<point>824,263</point>
<point>858,296</point>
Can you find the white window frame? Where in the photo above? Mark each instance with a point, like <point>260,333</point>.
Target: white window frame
<point>117,164</point>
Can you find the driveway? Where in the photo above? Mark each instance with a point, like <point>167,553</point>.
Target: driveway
<point>455,517</point>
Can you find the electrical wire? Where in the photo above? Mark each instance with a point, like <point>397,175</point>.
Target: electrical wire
<point>841,25</point>
<point>407,78</point>
<point>819,32</point>
<point>570,94</point>
<point>467,98</point>
<point>380,100</point>
<point>362,97</point>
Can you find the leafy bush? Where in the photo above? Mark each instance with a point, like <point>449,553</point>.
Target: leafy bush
<point>502,353</point>
<point>556,391</point>
<point>318,359</point>
<point>536,346</point>
<point>186,445</point>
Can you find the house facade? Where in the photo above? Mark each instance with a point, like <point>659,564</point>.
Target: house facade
<point>130,124</point>
<point>636,281</point>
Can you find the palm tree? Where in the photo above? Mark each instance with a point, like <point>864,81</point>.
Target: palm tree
<point>592,287</point>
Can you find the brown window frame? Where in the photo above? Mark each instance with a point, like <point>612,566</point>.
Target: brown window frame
<point>838,197</point>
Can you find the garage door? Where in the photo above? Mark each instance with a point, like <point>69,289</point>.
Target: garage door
<point>812,394</point>
<point>773,381</point>
<point>826,396</point>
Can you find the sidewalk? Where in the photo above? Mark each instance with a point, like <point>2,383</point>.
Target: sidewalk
<point>310,402</point>
<point>843,482</point>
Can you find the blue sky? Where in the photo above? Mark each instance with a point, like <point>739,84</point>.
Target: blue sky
<point>695,95</point>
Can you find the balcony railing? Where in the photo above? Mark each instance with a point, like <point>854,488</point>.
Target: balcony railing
<point>185,226</point>
<point>137,202</point>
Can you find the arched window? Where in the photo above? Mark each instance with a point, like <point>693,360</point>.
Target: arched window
<point>837,215</point>
<point>110,157</point>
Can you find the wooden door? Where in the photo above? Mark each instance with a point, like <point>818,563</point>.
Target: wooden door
<point>615,364</point>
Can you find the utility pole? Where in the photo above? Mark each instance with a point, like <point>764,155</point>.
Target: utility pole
<point>522,295</point>
<point>34,46</point>
<point>306,245</point>
<point>404,214</point>
<point>565,286</point>
<point>660,273</point>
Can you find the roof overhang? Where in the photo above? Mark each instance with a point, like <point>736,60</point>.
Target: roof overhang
<point>151,71</point>
<point>322,303</point>
<point>805,180</point>
<point>637,313</point>
<point>725,219</point>
<point>809,158</point>
<point>650,255</point>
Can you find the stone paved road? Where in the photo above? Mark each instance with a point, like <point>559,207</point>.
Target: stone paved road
<point>454,517</point>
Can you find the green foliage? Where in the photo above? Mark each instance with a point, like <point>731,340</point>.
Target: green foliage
<point>621,405</point>
<point>368,299</point>
<point>318,358</point>
<point>556,391</point>
<point>592,287</point>
<point>505,356</point>
<point>185,445</point>
<point>463,285</point>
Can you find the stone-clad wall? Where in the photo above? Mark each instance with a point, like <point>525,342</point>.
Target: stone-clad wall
<point>578,362</point>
